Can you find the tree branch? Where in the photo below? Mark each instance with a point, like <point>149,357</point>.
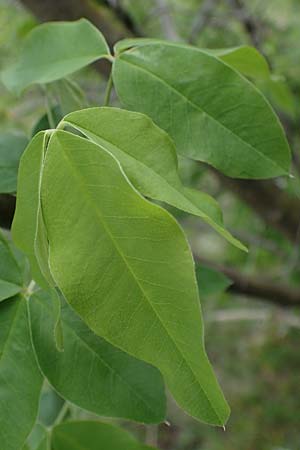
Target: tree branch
<point>257,287</point>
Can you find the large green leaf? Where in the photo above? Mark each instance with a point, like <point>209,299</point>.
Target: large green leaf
<point>93,436</point>
<point>28,216</point>
<point>54,50</point>
<point>20,379</point>
<point>149,159</point>
<point>90,372</point>
<point>12,146</point>
<point>211,111</point>
<point>125,266</point>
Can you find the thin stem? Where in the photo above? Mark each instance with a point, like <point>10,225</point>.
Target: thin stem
<point>151,437</point>
<point>108,91</point>
<point>61,415</point>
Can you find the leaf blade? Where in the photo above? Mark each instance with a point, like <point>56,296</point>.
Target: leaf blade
<point>187,373</point>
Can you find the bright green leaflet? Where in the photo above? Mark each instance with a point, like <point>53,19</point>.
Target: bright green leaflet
<point>11,276</point>
<point>54,50</point>
<point>12,146</point>
<point>93,436</point>
<point>149,159</point>
<point>20,379</point>
<point>104,380</point>
<point>27,215</point>
<point>244,59</point>
<point>125,266</point>
<point>212,112</point>
<point>210,281</point>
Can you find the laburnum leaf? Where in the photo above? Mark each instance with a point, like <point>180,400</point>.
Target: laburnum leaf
<point>25,230</point>
<point>54,50</point>
<point>93,436</point>
<point>12,146</point>
<point>20,378</point>
<point>90,372</point>
<point>245,59</point>
<point>211,111</point>
<point>125,266</point>
<point>148,157</point>
<point>11,274</point>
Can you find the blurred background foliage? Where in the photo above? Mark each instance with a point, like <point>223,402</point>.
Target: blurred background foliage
<point>252,342</point>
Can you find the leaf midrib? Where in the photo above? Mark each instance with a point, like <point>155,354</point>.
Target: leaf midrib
<point>99,216</point>
<point>198,108</point>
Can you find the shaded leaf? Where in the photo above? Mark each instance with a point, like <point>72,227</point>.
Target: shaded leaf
<point>20,379</point>
<point>54,50</point>
<point>93,436</point>
<point>212,112</point>
<point>26,218</point>
<point>43,123</point>
<point>211,281</point>
<point>105,380</point>
<point>149,159</point>
<point>125,266</point>
<point>12,146</point>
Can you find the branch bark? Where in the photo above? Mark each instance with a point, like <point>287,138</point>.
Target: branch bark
<point>257,287</point>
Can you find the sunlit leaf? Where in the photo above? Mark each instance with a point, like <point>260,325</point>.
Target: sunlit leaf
<point>125,266</point>
<point>149,159</point>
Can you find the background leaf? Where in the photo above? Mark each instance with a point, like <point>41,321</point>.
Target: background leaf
<point>211,281</point>
<point>212,113</point>
<point>90,372</point>
<point>54,50</point>
<point>93,436</point>
<point>152,310</point>
<point>20,379</point>
<point>12,146</point>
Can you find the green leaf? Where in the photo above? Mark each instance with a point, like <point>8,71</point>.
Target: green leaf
<point>20,379</point>
<point>244,59</point>
<point>54,50</point>
<point>280,95</point>
<point>212,112</point>
<point>12,146</point>
<point>125,266</point>
<point>27,216</point>
<point>93,436</point>
<point>11,273</point>
<point>149,159</point>
<point>211,281</point>
<point>8,290</point>
<point>105,380</point>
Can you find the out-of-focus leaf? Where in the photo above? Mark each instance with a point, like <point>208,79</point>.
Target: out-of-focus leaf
<point>211,281</point>
<point>43,123</point>
<point>54,50</point>
<point>12,146</point>
<point>93,436</point>
<point>20,379</point>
